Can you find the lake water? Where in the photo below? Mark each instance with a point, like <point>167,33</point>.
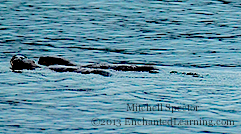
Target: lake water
<point>179,37</point>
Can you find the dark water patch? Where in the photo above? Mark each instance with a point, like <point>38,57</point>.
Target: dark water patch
<point>186,64</point>
<point>146,30</point>
<point>206,21</point>
<point>9,40</point>
<point>162,49</point>
<point>40,43</point>
<point>78,90</point>
<point>100,49</point>
<point>59,80</point>
<point>206,36</point>
<point>204,65</point>
<point>59,38</point>
<point>139,95</point>
<point>212,132</point>
<point>171,1</point>
<point>92,39</point>
<point>170,35</point>
<point>26,101</point>
<point>124,51</point>
<point>188,73</point>
<point>79,128</point>
<point>155,21</point>
<point>209,51</point>
<point>224,1</point>
<point>4,28</point>
<point>10,102</point>
<point>142,77</point>
<point>204,13</point>
<point>234,49</point>
<point>103,94</point>
<point>227,65</point>
<point>207,132</point>
<point>16,126</point>
<point>40,129</point>
<point>31,43</point>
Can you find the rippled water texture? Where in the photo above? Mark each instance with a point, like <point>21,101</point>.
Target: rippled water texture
<point>195,44</point>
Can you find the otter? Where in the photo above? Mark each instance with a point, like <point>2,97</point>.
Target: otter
<point>59,64</point>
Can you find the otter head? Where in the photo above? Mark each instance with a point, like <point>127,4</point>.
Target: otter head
<point>19,62</point>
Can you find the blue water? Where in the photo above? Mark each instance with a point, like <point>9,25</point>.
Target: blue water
<point>181,36</point>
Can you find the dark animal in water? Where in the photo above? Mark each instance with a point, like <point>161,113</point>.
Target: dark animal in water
<point>20,62</point>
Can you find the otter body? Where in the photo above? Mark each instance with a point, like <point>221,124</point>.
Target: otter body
<point>51,60</point>
<point>59,64</point>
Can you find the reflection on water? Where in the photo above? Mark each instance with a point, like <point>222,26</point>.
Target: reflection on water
<point>195,44</point>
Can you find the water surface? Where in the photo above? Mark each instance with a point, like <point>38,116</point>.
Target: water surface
<point>200,37</point>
